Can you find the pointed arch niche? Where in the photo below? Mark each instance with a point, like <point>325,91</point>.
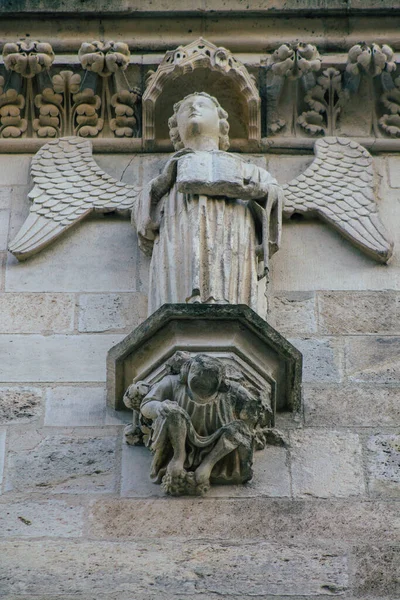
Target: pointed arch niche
<point>201,67</point>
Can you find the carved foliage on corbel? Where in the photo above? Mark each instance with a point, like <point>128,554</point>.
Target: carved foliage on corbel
<point>17,106</point>
<point>390,122</point>
<point>325,101</point>
<point>298,64</point>
<point>201,54</point>
<point>377,63</point>
<point>117,113</point>
<point>12,125</point>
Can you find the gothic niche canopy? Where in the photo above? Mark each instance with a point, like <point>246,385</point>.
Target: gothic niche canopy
<point>201,66</point>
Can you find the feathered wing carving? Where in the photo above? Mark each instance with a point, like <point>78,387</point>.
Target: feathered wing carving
<point>338,188</point>
<point>68,185</point>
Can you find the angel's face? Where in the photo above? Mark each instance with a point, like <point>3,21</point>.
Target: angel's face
<point>198,117</point>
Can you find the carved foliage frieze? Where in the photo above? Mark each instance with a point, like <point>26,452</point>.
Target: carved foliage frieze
<point>295,92</point>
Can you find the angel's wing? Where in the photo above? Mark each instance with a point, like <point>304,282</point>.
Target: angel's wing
<point>68,185</point>
<point>338,188</point>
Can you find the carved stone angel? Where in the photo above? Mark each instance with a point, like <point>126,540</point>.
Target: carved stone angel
<point>210,220</point>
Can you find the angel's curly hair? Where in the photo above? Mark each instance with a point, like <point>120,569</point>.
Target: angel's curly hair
<point>223,123</point>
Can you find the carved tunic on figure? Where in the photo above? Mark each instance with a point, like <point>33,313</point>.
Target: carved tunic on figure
<point>201,426</point>
<point>210,220</point>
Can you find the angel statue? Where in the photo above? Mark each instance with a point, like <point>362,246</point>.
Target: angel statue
<point>201,426</point>
<point>210,220</point>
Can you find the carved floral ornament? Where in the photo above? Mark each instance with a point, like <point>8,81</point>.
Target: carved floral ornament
<point>303,98</point>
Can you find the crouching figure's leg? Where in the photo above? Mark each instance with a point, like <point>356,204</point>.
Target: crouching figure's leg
<point>170,432</point>
<point>236,435</point>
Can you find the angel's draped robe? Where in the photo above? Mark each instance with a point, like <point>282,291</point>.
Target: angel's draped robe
<point>209,249</point>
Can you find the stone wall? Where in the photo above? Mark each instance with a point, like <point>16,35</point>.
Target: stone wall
<point>78,516</point>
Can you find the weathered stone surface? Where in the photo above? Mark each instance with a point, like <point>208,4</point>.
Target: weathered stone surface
<point>20,403</point>
<point>55,358</point>
<point>14,169</point>
<point>2,453</point>
<point>359,312</point>
<point>384,464</point>
<point>136,466</point>
<point>52,518</point>
<point>352,405</point>
<point>191,568</point>
<point>5,197</point>
<point>394,175</point>
<point>98,256</point>
<point>376,572</point>
<point>105,312</point>
<point>326,463</point>
<point>4,222</point>
<point>373,359</point>
<point>293,314</point>
<point>312,257</point>
<point>321,359</point>
<point>283,520</point>
<point>285,168</point>
<point>36,313</point>
<point>75,406</point>
<point>271,477</point>
<point>64,463</point>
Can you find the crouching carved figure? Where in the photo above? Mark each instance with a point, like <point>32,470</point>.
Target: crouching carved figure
<point>201,426</point>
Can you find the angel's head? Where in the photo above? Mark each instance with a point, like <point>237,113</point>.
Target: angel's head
<point>199,122</point>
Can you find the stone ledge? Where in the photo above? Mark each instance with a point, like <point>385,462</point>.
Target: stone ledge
<point>196,7</point>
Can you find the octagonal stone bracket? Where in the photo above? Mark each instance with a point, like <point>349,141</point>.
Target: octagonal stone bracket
<point>234,333</point>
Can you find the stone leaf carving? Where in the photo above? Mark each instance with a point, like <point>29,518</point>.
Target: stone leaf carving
<point>126,122</point>
<point>68,185</point>
<point>338,189</point>
<point>104,58</point>
<point>299,62</point>
<point>200,424</point>
<point>12,124</point>
<point>28,58</point>
<point>390,122</point>
<point>326,100</point>
<point>56,111</point>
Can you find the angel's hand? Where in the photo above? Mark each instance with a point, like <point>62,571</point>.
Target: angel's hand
<point>163,182</point>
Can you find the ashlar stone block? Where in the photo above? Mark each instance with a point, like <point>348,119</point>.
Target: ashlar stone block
<point>231,569</point>
<point>351,405</point>
<point>107,312</point>
<point>51,518</point>
<point>376,572</point>
<point>36,313</point>
<point>59,358</point>
<point>384,465</point>
<point>20,404</point>
<point>373,359</point>
<point>2,453</point>
<point>321,359</point>
<point>75,406</point>
<point>64,464</point>
<point>326,464</point>
<point>293,314</point>
<point>359,312</point>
